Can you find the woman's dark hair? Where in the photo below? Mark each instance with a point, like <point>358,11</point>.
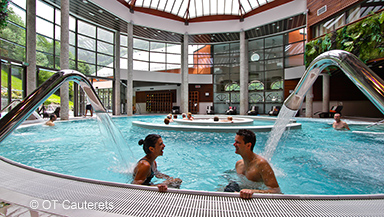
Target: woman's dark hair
<point>150,141</point>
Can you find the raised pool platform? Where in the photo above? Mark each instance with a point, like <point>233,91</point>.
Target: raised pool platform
<point>205,123</point>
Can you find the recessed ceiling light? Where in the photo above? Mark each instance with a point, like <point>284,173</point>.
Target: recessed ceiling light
<point>273,24</point>
<point>277,27</point>
<point>158,31</point>
<point>173,33</point>
<point>85,1</point>
<point>145,28</point>
<point>116,18</point>
<point>227,33</point>
<point>91,14</point>
<point>380,67</point>
<point>100,11</point>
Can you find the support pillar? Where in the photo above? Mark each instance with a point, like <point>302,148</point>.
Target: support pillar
<point>326,92</point>
<point>64,59</point>
<point>243,74</point>
<point>116,81</point>
<point>31,46</point>
<point>130,71</point>
<point>184,75</point>
<point>309,103</point>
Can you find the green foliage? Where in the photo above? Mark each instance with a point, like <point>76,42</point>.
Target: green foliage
<point>365,39</point>
<point>3,13</point>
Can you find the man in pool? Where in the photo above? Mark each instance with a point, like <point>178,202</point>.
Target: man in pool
<point>254,167</point>
<point>52,118</point>
<point>339,124</point>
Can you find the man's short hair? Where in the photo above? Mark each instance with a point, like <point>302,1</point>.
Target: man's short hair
<point>52,116</point>
<point>248,136</point>
<point>215,118</point>
<point>166,121</point>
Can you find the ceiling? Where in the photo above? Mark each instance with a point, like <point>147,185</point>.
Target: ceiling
<point>93,13</point>
<point>201,10</point>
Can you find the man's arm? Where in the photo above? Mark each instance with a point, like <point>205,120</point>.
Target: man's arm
<point>346,126</point>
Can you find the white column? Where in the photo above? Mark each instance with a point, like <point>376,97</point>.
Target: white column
<point>116,95</point>
<point>64,59</point>
<point>309,103</point>
<point>243,74</point>
<point>184,75</point>
<point>130,71</point>
<point>31,46</point>
<point>326,90</point>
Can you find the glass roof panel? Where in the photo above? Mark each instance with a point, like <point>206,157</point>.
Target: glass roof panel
<point>227,7</point>
<point>213,8</point>
<point>183,8</point>
<point>192,9</point>
<point>235,8</point>
<point>199,8</point>
<point>246,5</point>
<point>154,4</point>
<point>206,8</point>
<point>262,2</point>
<point>162,5</point>
<point>176,8</point>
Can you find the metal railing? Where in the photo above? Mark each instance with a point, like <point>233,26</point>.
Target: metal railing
<point>24,109</point>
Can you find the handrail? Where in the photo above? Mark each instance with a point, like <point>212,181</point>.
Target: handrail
<point>22,110</point>
<point>9,105</point>
<point>379,122</point>
<point>362,76</point>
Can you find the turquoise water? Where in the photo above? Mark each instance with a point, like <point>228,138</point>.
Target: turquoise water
<point>313,160</point>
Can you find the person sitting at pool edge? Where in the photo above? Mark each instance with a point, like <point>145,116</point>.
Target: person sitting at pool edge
<point>52,118</point>
<point>339,124</point>
<point>254,167</point>
<point>184,116</point>
<point>146,168</point>
<point>229,119</point>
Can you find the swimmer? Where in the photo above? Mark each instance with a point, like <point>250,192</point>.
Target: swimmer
<point>184,116</point>
<point>339,124</point>
<point>189,116</point>
<point>254,167</point>
<point>146,168</point>
<point>52,118</point>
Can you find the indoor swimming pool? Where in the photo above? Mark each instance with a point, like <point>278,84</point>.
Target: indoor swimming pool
<point>315,159</point>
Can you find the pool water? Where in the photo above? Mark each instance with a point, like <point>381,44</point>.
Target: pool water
<point>315,159</point>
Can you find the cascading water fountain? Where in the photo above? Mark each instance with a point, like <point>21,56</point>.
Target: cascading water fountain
<point>363,77</point>
<point>113,139</point>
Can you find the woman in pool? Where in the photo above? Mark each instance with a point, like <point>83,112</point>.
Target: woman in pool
<point>146,168</point>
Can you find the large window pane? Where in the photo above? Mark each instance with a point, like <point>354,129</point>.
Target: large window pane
<point>140,55</point>
<point>123,63</point>
<point>256,66</point>
<point>157,67</point>
<point>104,60</point>
<point>86,42</point>
<point>157,57</point>
<point>157,46</point>
<point>294,36</point>
<point>18,17</point>
<point>293,49</point>
<point>45,11</point>
<point>173,58</point>
<point>140,44</point>
<point>21,3</point>
<point>12,50</point>
<point>43,27</point>
<point>174,68</point>
<point>57,32</point>
<point>256,44</point>
<point>87,29</point>
<point>105,35</point>
<point>103,47</point>
<point>105,72</point>
<point>72,38</point>
<point>44,59</point>
<point>297,60</point>
<point>274,64</point>
<point>16,34</point>
<point>44,44</point>
<point>58,17</point>
<point>275,52</point>
<point>72,23</point>
<point>274,41</point>
<point>140,65</point>
<point>87,56</point>
<point>124,40</point>
<point>174,48</point>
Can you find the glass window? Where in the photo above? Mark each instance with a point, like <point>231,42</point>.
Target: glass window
<point>44,10</point>
<point>105,35</point>
<point>221,48</point>
<point>21,3</point>
<point>44,44</point>
<point>140,65</point>
<point>158,47</point>
<point>57,16</point>
<point>86,42</point>
<point>157,67</point>
<point>103,47</point>
<point>157,57</point>
<point>72,23</point>
<point>72,38</point>
<point>293,49</point>
<point>174,68</point>
<point>274,64</point>
<point>17,15</point>
<point>57,32</point>
<point>294,36</point>
<point>87,29</point>
<point>124,40</point>
<point>140,55</point>
<point>87,56</point>
<point>104,60</point>
<point>140,44</point>
<point>275,52</point>
<point>274,41</point>
<point>173,58</point>
<point>15,34</point>
<point>43,27</point>
<point>174,48</point>
<point>256,44</point>
<point>256,85</point>
<point>297,60</point>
